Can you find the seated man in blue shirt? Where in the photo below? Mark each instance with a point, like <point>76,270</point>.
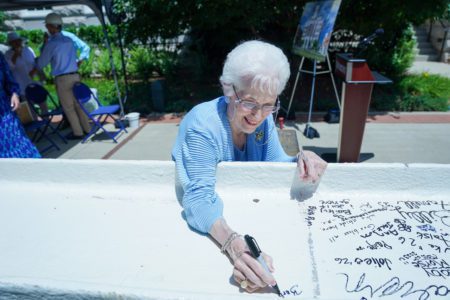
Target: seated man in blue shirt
<point>238,126</point>
<point>60,52</point>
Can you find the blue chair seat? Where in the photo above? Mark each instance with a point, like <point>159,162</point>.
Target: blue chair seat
<point>110,109</point>
<point>83,94</point>
<point>35,125</point>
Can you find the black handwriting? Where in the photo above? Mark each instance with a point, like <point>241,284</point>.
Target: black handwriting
<point>293,291</point>
<point>394,286</point>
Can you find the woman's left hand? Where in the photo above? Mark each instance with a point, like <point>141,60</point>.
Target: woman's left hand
<point>14,102</point>
<point>310,166</point>
<point>247,271</point>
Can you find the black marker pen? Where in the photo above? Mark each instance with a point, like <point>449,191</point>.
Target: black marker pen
<point>256,253</point>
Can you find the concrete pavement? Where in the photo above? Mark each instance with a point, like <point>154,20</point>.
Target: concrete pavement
<point>396,137</point>
<point>389,137</point>
<point>431,67</point>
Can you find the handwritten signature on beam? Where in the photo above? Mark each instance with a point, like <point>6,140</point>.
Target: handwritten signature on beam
<point>394,286</point>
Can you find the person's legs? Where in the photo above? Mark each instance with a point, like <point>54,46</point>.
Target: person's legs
<point>64,86</point>
<point>84,120</point>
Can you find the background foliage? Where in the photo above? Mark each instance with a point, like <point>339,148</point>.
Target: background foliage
<point>215,27</point>
<point>186,43</point>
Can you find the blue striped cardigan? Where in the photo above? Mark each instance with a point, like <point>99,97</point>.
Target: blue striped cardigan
<point>204,139</point>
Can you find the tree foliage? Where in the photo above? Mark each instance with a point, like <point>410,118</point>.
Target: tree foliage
<point>216,26</point>
<point>2,20</point>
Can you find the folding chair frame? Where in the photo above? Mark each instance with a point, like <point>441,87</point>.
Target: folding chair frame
<point>40,133</point>
<point>37,94</point>
<point>83,94</point>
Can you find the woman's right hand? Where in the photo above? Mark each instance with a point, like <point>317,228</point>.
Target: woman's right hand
<point>311,166</point>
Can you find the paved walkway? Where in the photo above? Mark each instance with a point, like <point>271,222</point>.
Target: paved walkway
<point>430,67</point>
<point>389,137</point>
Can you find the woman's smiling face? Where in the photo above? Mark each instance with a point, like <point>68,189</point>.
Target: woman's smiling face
<point>243,118</point>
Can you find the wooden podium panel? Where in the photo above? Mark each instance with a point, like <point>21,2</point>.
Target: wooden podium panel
<point>352,121</point>
<point>355,100</point>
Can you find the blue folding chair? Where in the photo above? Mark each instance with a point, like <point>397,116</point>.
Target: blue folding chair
<point>36,94</point>
<point>83,94</point>
<point>39,128</point>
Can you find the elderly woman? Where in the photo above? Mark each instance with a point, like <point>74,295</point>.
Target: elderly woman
<point>238,126</point>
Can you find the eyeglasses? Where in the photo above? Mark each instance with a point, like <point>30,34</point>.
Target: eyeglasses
<point>250,106</point>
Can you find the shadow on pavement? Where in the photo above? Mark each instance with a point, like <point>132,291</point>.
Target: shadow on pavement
<point>329,154</point>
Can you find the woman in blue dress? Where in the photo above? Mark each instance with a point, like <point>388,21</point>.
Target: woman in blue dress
<point>13,140</point>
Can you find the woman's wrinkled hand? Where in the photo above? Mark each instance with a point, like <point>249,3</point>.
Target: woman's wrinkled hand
<point>310,166</point>
<point>248,272</point>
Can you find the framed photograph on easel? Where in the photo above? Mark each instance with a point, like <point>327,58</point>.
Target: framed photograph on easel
<point>315,28</point>
<point>311,42</point>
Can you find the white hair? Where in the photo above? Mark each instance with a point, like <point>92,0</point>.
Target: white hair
<point>255,65</point>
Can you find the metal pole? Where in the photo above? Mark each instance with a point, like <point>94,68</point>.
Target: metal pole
<point>444,41</point>
<point>312,95</point>
<point>429,30</point>
<point>113,69</point>
<point>332,79</point>
<point>295,85</point>
<point>122,58</point>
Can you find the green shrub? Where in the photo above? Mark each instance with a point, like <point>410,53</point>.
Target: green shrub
<point>447,13</point>
<point>106,89</point>
<point>403,54</point>
<point>179,106</point>
<point>425,92</point>
<point>433,85</point>
<point>145,63</point>
<point>139,99</point>
<point>34,38</point>
<point>103,64</point>
<point>393,59</point>
<point>385,98</point>
<point>140,64</point>
<point>423,103</point>
<point>413,92</point>
<point>87,67</point>
<point>93,35</point>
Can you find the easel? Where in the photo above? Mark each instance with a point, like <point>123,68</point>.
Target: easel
<point>309,131</point>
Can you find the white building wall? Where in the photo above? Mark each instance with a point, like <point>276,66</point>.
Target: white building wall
<point>27,19</point>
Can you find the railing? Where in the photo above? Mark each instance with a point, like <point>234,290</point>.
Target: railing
<point>444,39</point>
